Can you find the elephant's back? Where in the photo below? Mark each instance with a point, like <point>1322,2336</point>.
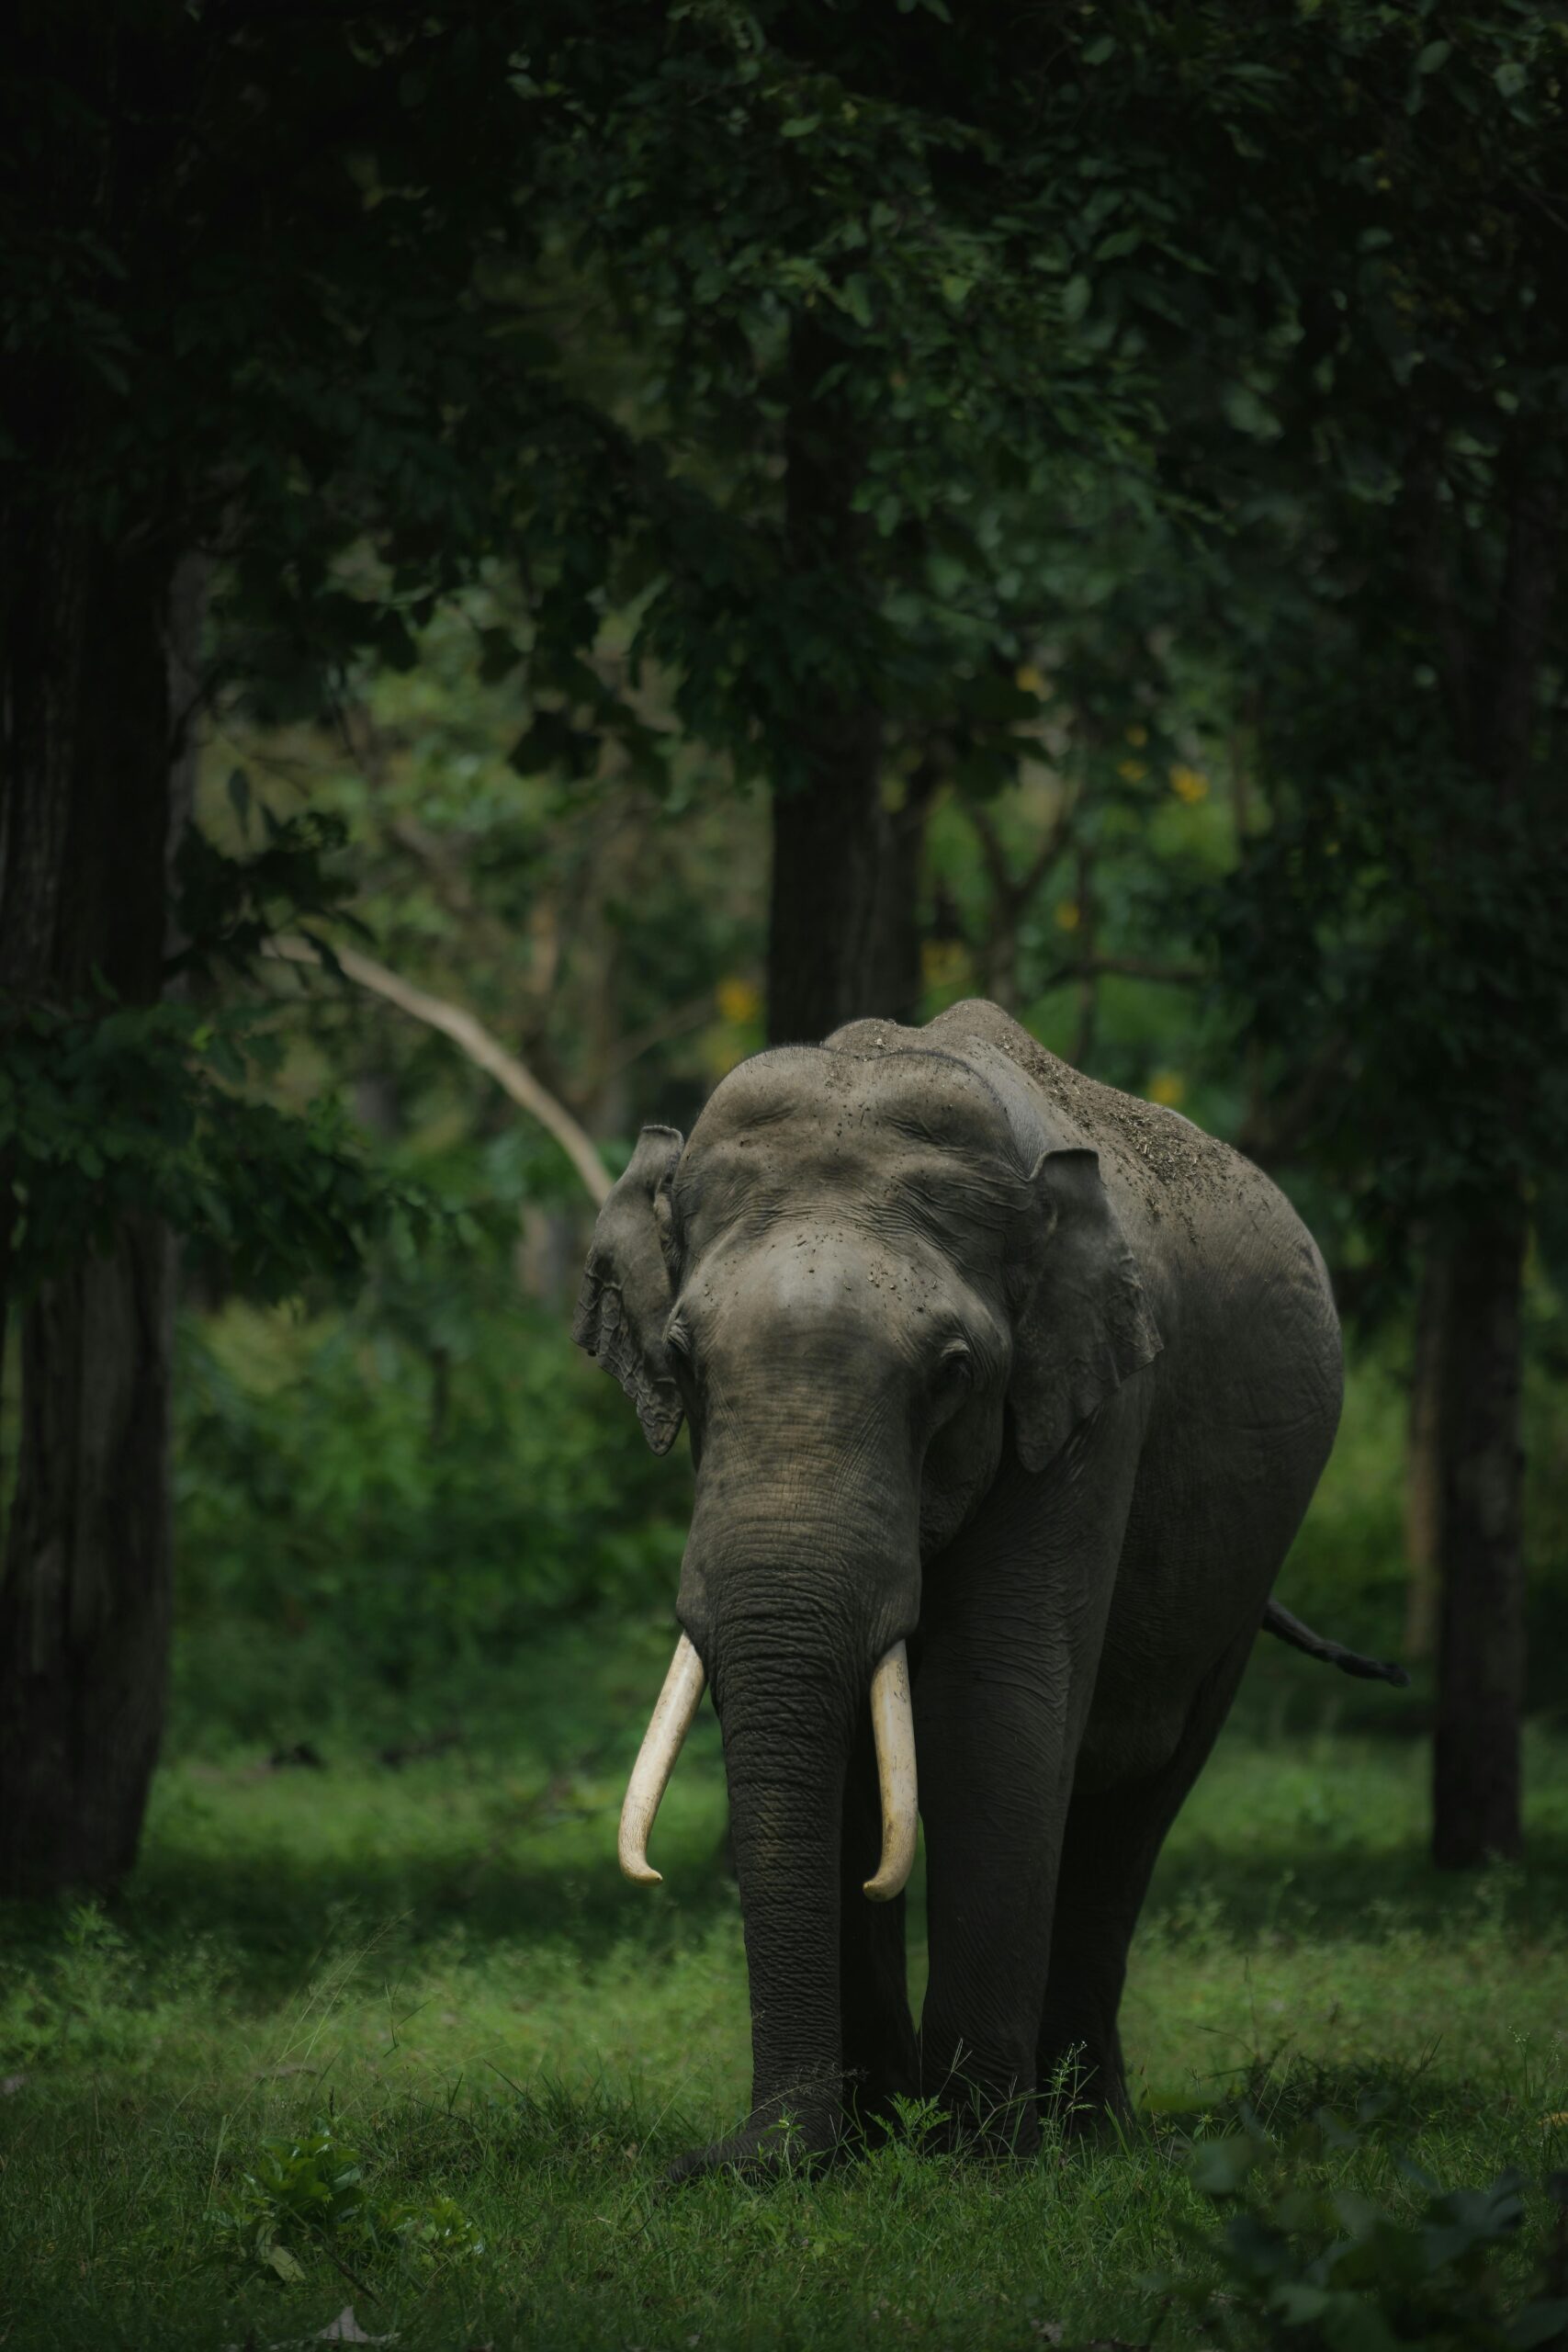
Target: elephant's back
<point>1215,1234</point>
<point>1157,1164</point>
<point>1236,1283</point>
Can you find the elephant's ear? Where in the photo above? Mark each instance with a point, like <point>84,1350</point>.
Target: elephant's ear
<point>1085,1324</point>
<point>625,1296</point>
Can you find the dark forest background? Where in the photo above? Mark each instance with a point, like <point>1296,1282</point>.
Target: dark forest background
<point>593,544</point>
<point>543,547</point>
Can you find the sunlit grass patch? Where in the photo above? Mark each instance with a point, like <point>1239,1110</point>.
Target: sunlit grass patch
<point>437,1969</point>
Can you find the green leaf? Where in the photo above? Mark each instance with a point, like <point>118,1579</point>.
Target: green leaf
<point>393,643</point>
<point>1220,2167</point>
<point>552,743</point>
<point>1075,297</point>
<point>1435,54</point>
<point>1248,412</point>
<point>799,126</point>
<point>855,298</point>
<point>499,656</point>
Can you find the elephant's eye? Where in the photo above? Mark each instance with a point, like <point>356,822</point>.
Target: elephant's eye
<point>956,1370</point>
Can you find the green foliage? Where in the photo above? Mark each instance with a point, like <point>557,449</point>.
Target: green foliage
<point>138,1111</point>
<point>313,2189</point>
<point>310,2186</point>
<point>227,908</point>
<point>83,2003</point>
<point>552,303</point>
<point>441,1964</point>
<point>853,237</point>
<point>590,925</point>
<point>385,1503</point>
<point>1414,960</point>
<point>1307,2263</point>
<point>1389,945</point>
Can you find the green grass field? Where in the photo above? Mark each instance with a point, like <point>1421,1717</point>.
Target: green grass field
<point>439,1963</point>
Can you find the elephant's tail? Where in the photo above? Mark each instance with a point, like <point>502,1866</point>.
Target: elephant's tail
<point>1301,1637</point>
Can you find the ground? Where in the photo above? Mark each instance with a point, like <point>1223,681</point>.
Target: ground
<point>435,1963</point>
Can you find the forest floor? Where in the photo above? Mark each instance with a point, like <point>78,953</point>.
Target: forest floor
<point>393,2035</point>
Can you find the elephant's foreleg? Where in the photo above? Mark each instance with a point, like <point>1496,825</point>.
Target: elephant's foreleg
<point>1011,1629</point>
<point>1112,1840</point>
<point>880,2057</point>
<point>994,1800</point>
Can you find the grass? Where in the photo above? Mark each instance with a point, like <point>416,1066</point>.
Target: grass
<point>504,2045</point>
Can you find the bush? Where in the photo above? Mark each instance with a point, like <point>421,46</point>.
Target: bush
<point>393,1498</point>
<point>1312,2267</point>
<point>312,2191</point>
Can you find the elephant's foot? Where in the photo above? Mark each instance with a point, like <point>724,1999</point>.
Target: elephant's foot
<point>872,2095</point>
<point>994,2123</point>
<point>984,2096</point>
<point>999,2128</point>
<point>1083,2096</point>
<point>777,2140</point>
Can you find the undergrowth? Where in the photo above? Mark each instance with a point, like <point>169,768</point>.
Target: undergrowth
<point>393,2035</point>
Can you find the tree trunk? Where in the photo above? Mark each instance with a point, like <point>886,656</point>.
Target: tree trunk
<point>1476,1781</point>
<point>899,979</point>
<point>1423,1457</point>
<point>830,900</point>
<point>823,917</point>
<point>1481,1644</point>
<point>85,1599</point>
<point>1086,1028</point>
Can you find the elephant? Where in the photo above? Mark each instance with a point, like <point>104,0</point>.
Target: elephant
<point>1008,1393</point>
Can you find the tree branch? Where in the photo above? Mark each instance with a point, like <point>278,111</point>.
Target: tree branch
<point>1050,850</point>
<point>993,855</point>
<point>675,1022</point>
<point>473,1040</point>
<point>1271,1134</point>
<point>1013,895</point>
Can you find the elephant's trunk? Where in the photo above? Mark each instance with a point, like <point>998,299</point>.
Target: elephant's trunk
<point>787,1735</point>
<point>893,1729</point>
<point>796,1597</point>
<point>800,1640</point>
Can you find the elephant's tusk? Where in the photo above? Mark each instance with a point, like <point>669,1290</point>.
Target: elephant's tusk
<point>893,1727</point>
<point>673,1715</point>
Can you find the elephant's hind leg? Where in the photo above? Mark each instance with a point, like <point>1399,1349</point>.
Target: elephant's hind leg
<point>1111,1842</point>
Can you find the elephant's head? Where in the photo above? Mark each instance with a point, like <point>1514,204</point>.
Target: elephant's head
<point>861,1276</point>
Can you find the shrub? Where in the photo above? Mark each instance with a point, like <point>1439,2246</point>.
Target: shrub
<point>357,1505</point>
<point>313,2192</point>
<point>1313,2266</point>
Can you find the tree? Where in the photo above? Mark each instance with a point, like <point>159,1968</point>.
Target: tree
<point>302,295</point>
<point>840,259</point>
<point>1395,933</point>
<point>241,322</point>
<point>774,346</point>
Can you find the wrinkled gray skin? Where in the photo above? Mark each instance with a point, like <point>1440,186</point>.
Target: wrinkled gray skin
<point>983,1354</point>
